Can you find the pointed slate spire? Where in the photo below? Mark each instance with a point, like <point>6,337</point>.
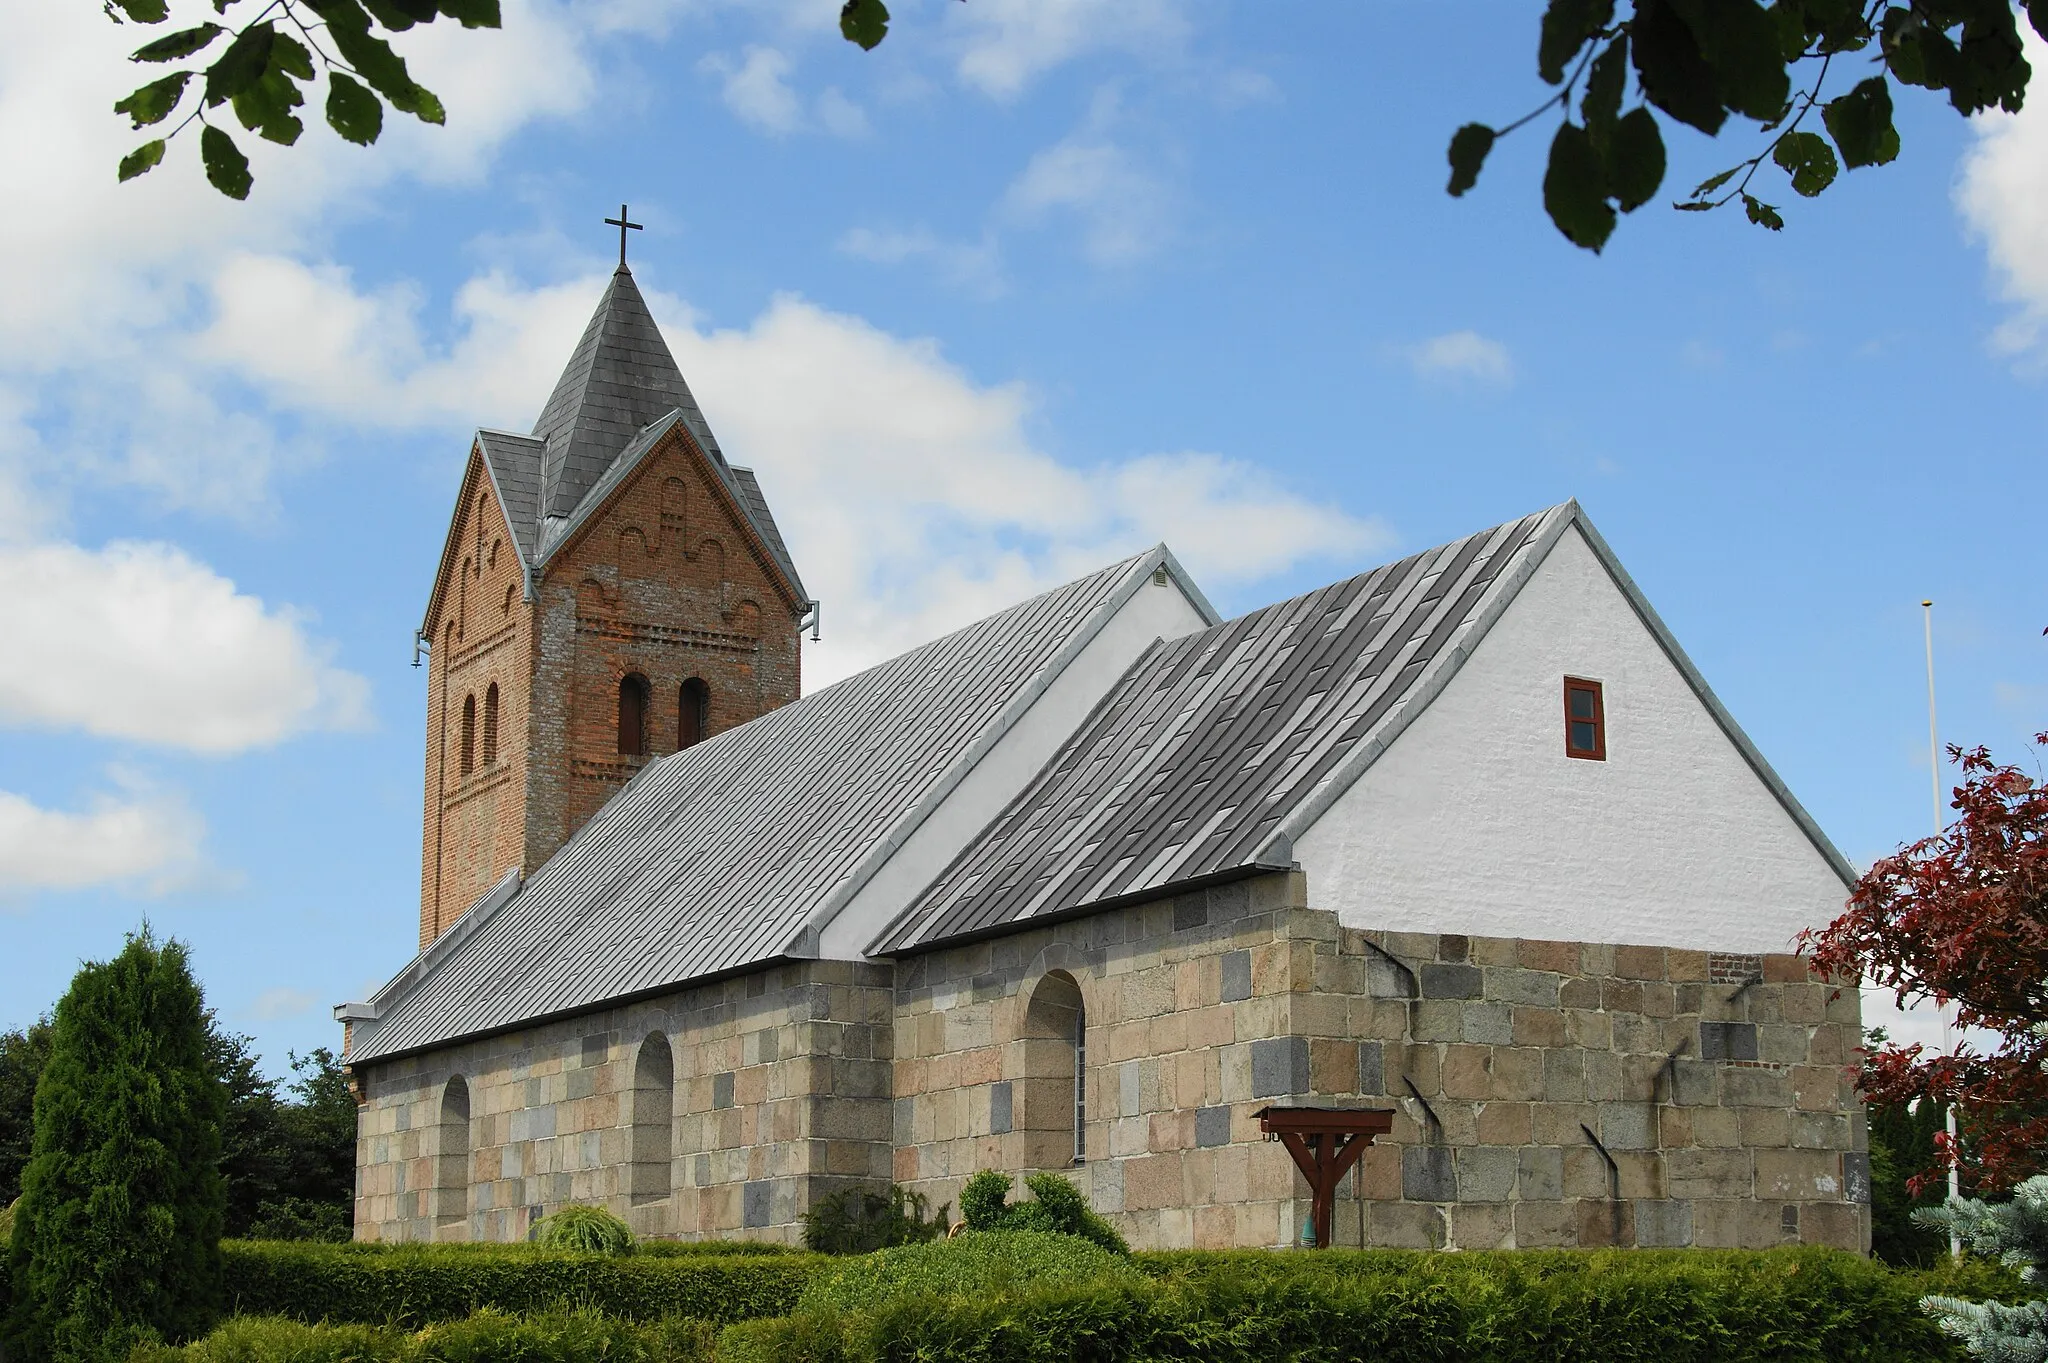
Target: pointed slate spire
<point>620,380</point>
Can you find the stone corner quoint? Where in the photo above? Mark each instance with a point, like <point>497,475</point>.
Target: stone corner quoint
<point>1083,886</point>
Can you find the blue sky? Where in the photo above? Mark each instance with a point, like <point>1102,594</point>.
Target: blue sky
<point>1035,283</point>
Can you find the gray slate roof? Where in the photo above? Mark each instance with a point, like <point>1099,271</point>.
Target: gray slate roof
<point>1187,768</point>
<point>620,380</point>
<point>727,853</point>
<point>620,392</point>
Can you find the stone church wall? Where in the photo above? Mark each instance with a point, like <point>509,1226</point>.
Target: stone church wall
<point>776,1093</point>
<point>1546,1093</point>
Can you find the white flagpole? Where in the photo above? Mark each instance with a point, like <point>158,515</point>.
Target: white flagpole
<point>1948,1040</point>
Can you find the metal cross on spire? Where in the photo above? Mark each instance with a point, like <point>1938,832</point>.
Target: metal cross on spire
<point>622,222</point>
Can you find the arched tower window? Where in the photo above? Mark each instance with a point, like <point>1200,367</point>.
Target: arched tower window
<point>491,726</point>
<point>633,715</point>
<point>693,724</point>
<point>451,1165</point>
<point>654,1094</point>
<point>1054,1115</point>
<point>468,734</point>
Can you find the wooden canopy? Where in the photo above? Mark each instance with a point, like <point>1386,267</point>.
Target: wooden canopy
<point>1325,1143</point>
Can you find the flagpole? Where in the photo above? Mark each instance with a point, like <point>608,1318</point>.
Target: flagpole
<point>1948,1040</point>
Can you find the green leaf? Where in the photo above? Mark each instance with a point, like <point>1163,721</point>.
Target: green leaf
<point>1675,77</point>
<point>352,111</point>
<point>226,168</point>
<point>144,158</point>
<point>372,58</point>
<point>183,43</point>
<point>1762,214</point>
<point>1714,182</point>
<point>1567,24</point>
<point>1469,146</point>
<point>241,66</point>
<point>266,107</point>
<point>1809,160</point>
<point>865,22</point>
<point>1861,124</point>
<point>153,102</point>
<point>1635,159</point>
<point>1604,85</point>
<point>397,15</point>
<point>473,13</point>
<point>290,56</point>
<point>141,11</point>
<point>2037,16</point>
<point>1573,192</point>
<point>1740,42</point>
<point>1695,207</point>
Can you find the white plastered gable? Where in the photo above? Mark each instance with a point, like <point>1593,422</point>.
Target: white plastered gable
<point>1475,821</point>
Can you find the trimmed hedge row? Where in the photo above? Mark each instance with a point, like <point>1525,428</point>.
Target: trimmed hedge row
<point>1791,1306</point>
<point>412,1286</point>
<point>563,1337</point>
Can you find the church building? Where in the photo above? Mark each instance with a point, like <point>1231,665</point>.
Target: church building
<point>1086,886</point>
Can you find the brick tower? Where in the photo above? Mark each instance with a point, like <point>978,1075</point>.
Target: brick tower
<point>611,590</point>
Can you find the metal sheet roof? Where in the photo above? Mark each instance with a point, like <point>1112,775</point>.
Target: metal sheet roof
<point>719,856</point>
<point>514,465</point>
<point>1188,767</point>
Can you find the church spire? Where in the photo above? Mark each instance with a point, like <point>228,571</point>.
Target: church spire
<point>620,380</point>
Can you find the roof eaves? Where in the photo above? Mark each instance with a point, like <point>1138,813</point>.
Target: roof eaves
<point>1426,688</point>
<point>434,954</point>
<point>1015,709</point>
<point>1693,677</point>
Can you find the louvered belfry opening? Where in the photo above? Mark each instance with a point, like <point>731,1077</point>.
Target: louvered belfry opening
<point>693,722</point>
<point>632,715</point>
<point>491,726</point>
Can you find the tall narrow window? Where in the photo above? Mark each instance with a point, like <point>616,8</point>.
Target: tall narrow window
<point>468,734</point>
<point>695,715</point>
<point>1585,720</point>
<point>491,726</point>
<point>451,1165</point>
<point>633,715</point>
<point>654,1096</point>
<point>1051,1107</point>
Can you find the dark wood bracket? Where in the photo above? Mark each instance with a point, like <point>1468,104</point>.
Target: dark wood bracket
<point>1325,1142</point>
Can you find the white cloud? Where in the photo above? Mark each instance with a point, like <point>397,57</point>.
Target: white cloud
<point>975,268</point>
<point>1006,44</point>
<point>916,501</point>
<point>2002,193</point>
<point>1463,355</point>
<point>1123,209</point>
<point>139,837</point>
<point>281,1002</point>
<point>757,90</point>
<point>141,642</point>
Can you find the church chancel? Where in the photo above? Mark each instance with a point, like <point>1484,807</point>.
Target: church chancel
<point>1096,884</point>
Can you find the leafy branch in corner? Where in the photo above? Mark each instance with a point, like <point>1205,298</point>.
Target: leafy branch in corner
<point>1699,61</point>
<point>263,65</point>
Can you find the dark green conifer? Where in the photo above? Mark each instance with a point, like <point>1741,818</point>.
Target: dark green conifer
<point>117,1239</point>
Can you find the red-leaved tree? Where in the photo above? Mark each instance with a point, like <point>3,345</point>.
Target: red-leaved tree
<point>1963,919</point>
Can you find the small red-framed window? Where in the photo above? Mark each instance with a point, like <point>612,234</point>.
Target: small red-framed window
<point>1585,720</point>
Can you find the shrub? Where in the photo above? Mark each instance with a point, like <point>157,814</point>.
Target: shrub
<point>976,1263</point>
<point>1629,1306</point>
<point>591,1230</point>
<point>1059,1209</point>
<point>416,1285</point>
<point>487,1337</point>
<point>858,1220</point>
<point>117,1239</point>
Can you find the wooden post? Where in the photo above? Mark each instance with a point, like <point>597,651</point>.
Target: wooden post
<point>1325,1142</point>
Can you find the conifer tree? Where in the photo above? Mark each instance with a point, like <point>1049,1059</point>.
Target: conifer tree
<point>117,1239</point>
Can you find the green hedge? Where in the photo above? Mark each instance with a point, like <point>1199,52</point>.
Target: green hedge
<point>978,1263</point>
<point>412,1286</point>
<point>561,1337</point>
<point>1791,1306</point>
